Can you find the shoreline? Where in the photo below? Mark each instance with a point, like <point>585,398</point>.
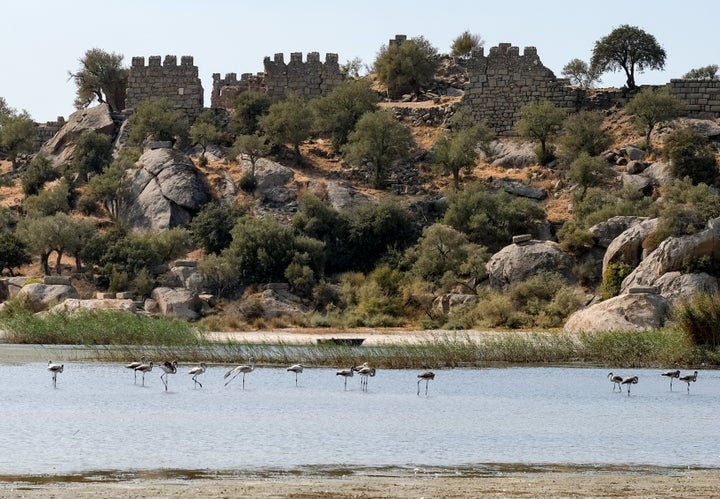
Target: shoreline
<point>557,481</point>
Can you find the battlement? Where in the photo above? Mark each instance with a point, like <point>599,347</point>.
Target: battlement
<point>165,78</point>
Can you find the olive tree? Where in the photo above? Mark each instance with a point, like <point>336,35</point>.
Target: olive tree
<point>406,66</point>
<point>18,135</point>
<point>288,122</point>
<point>101,76</point>
<point>541,120</point>
<point>157,119</point>
<point>690,154</point>
<point>630,49</point>
<point>580,73</point>
<point>379,139</point>
<point>709,72</point>
<point>337,113</point>
<point>651,107</point>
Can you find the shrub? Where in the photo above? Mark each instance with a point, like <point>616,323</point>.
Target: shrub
<point>248,182</point>
<point>699,317</point>
<point>690,155</point>
<point>613,278</point>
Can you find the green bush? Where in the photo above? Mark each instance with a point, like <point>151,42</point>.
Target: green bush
<point>248,182</point>
<point>690,155</point>
<point>699,318</point>
<point>613,278</point>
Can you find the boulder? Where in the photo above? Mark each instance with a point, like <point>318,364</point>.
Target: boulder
<point>518,262</point>
<point>677,287</point>
<point>627,247</point>
<point>15,284</point>
<point>638,183</point>
<point>277,301</point>
<point>166,189</point>
<point>633,153</point>
<point>268,174</point>
<point>48,294</point>
<point>189,275</point>
<point>512,154</point>
<point>673,254</point>
<point>76,305</point>
<point>627,312</point>
<point>93,119</point>
<point>605,232</point>
<point>344,197</point>
<point>518,188</point>
<point>659,173</point>
<point>177,302</point>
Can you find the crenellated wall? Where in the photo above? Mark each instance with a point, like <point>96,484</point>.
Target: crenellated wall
<point>225,90</point>
<point>178,83</point>
<point>505,80</point>
<point>308,79</point>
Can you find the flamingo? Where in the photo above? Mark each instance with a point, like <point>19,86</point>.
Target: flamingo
<point>296,368</point>
<point>616,380</point>
<point>364,373</point>
<point>144,368</point>
<point>169,368</point>
<point>689,378</point>
<point>671,375</point>
<point>135,364</point>
<point>427,376</point>
<point>55,369</point>
<point>630,380</point>
<point>345,373</point>
<point>196,371</point>
<point>240,369</point>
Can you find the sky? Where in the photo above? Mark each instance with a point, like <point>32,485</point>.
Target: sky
<point>42,40</point>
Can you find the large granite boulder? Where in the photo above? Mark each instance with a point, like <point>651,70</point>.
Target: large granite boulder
<point>627,312</point>
<point>268,174</point>
<point>512,154</point>
<point>48,294</point>
<point>659,173</point>
<point>627,247</point>
<point>519,188</point>
<point>344,197</point>
<point>177,302</point>
<point>188,274</point>
<point>448,301</point>
<point>677,287</point>
<point>74,305</point>
<point>605,232</point>
<point>166,190</point>
<point>673,254</point>
<point>519,261</point>
<point>93,119</point>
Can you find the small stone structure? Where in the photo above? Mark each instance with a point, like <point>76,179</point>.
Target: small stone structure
<point>179,84</point>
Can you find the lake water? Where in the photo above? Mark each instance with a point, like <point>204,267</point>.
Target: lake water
<point>99,419</point>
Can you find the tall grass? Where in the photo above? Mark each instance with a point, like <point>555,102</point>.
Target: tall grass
<point>117,336</point>
<point>106,327</point>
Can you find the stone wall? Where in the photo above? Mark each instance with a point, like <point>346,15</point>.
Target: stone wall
<point>308,79</point>
<point>179,84</point>
<point>225,90</point>
<point>47,130</point>
<point>504,81</point>
<point>701,97</point>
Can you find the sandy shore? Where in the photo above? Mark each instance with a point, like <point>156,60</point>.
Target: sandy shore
<point>550,482</point>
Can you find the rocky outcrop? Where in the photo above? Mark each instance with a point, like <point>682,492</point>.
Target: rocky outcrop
<point>627,247</point>
<point>48,294</point>
<point>75,305</point>
<point>522,189</point>
<point>659,174</point>
<point>628,312</point>
<point>188,274</point>
<point>518,262</point>
<point>605,232</point>
<point>93,119</point>
<point>677,287</point>
<point>512,154</point>
<point>445,303</point>
<point>674,253</point>
<point>268,174</point>
<point>166,190</point>
<point>177,302</point>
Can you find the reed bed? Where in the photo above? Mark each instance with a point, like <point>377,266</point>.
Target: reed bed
<point>119,337</point>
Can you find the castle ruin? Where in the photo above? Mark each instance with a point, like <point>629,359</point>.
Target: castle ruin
<point>179,84</point>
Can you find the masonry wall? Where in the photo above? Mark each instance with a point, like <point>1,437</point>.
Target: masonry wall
<point>502,82</point>
<point>178,83</point>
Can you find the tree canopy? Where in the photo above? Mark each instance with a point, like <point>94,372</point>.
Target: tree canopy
<point>465,44</point>
<point>288,122</point>
<point>156,119</point>
<point>380,139</point>
<point>650,107</point>
<point>407,66</point>
<point>541,120</point>
<point>101,76</point>
<point>627,48</point>
<point>18,134</point>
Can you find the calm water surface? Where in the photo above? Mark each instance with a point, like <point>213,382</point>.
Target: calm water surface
<point>98,419</point>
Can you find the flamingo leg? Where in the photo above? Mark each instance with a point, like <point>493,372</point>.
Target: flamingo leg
<point>295,379</point>
<point>196,381</point>
<point>243,381</point>
<point>419,387</point>
<point>427,382</point>
<point>228,381</point>
<point>345,383</point>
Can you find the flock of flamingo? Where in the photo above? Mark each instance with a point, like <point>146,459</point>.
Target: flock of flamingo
<point>618,381</point>
<point>144,367</point>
